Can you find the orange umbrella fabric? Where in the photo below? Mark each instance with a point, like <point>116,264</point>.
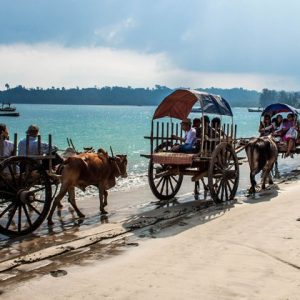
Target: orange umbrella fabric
<point>179,104</point>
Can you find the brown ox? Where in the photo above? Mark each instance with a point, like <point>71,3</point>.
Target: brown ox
<point>262,153</point>
<point>86,169</point>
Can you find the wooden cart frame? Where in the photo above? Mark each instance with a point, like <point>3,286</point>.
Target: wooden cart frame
<point>278,108</point>
<point>215,164</point>
<point>25,189</point>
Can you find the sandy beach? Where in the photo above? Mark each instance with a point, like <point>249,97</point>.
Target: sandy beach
<point>247,250</point>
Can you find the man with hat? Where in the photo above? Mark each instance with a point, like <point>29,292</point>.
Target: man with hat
<point>189,139</point>
<point>32,136</point>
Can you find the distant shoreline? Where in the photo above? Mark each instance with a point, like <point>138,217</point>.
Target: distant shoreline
<point>116,96</point>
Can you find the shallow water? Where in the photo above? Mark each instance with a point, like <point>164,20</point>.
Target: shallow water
<point>122,127</point>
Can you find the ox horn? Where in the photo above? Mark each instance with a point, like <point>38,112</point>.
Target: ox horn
<point>112,153</point>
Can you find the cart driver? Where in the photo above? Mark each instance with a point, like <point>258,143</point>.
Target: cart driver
<point>189,139</point>
<point>7,146</point>
<point>33,132</point>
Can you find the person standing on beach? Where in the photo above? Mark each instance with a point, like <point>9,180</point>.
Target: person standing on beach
<point>7,146</point>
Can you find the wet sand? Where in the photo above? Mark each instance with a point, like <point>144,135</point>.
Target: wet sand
<point>244,250</point>
<point>249,250</point>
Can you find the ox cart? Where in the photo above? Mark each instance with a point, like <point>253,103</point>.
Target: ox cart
<point>27,187</point>
<point>214,161</point>
<point>273,111</point>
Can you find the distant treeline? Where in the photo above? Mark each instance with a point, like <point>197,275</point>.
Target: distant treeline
<point>116,95</point>
<point>270,96</point>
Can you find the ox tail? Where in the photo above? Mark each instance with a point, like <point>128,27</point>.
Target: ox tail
<point>262,148</point>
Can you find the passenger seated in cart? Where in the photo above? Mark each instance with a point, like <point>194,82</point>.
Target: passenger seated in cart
<point>277,122</point>
<point>196,125</point>
<point>266,127</point>
<point>207,128</point>
<point>189,139</point>
<point>7,146</point>
<point>33,132</point>
<point>216,130</point>
<point>216,123</point>
<point>290,133</point>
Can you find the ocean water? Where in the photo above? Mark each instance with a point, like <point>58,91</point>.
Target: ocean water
<point>122,127</point>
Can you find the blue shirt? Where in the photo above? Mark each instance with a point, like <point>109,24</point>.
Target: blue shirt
<point>33,146</point>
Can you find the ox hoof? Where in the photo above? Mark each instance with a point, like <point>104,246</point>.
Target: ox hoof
<point>59,206</point>
<point>81,216</point>
<point>251,191</point>
<point>103,212</point>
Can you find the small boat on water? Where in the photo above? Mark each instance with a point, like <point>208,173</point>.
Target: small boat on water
<point>9,114</point>
<point>255,109</point>
<point>8,111</point>
<point>6,107</point>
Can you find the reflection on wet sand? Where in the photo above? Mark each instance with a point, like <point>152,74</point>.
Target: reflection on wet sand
<point>136,208</point>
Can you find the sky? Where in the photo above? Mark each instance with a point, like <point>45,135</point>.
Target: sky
<point>253,44</point>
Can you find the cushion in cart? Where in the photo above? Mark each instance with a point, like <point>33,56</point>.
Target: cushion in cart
<point>171,158</point>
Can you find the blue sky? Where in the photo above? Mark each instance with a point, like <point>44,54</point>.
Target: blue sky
<point>193,43</point>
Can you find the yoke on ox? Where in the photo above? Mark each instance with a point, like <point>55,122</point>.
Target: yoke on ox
<point>86,169</point>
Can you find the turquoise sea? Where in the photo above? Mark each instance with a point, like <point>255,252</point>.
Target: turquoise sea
<point>122,127</point>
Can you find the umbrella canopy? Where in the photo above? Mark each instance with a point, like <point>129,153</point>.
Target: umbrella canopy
<point>277,108</point>
<point>179,104</point>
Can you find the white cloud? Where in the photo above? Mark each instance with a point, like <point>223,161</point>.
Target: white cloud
<point>113,34</point>
<point>47,65</point>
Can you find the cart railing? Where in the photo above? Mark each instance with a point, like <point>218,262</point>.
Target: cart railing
<point>39,155</point>
<point>163,132</point>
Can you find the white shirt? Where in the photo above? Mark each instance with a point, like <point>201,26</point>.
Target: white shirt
<point>8,148</point>
<point>191,137</point>
<point>33,146</point>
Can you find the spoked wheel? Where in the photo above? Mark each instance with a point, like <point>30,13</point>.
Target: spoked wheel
<point>25,196</point>
<point>223,173</point>
<point>165,187</point>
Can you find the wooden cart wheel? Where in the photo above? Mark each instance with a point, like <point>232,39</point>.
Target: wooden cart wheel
<point>165,187</point>
<point>223,173</point>
<point>25,195</point>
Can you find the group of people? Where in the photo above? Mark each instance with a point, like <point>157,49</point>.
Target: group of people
<point>34,147</point>
<point>193,133</point>
<point>283,130</point>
